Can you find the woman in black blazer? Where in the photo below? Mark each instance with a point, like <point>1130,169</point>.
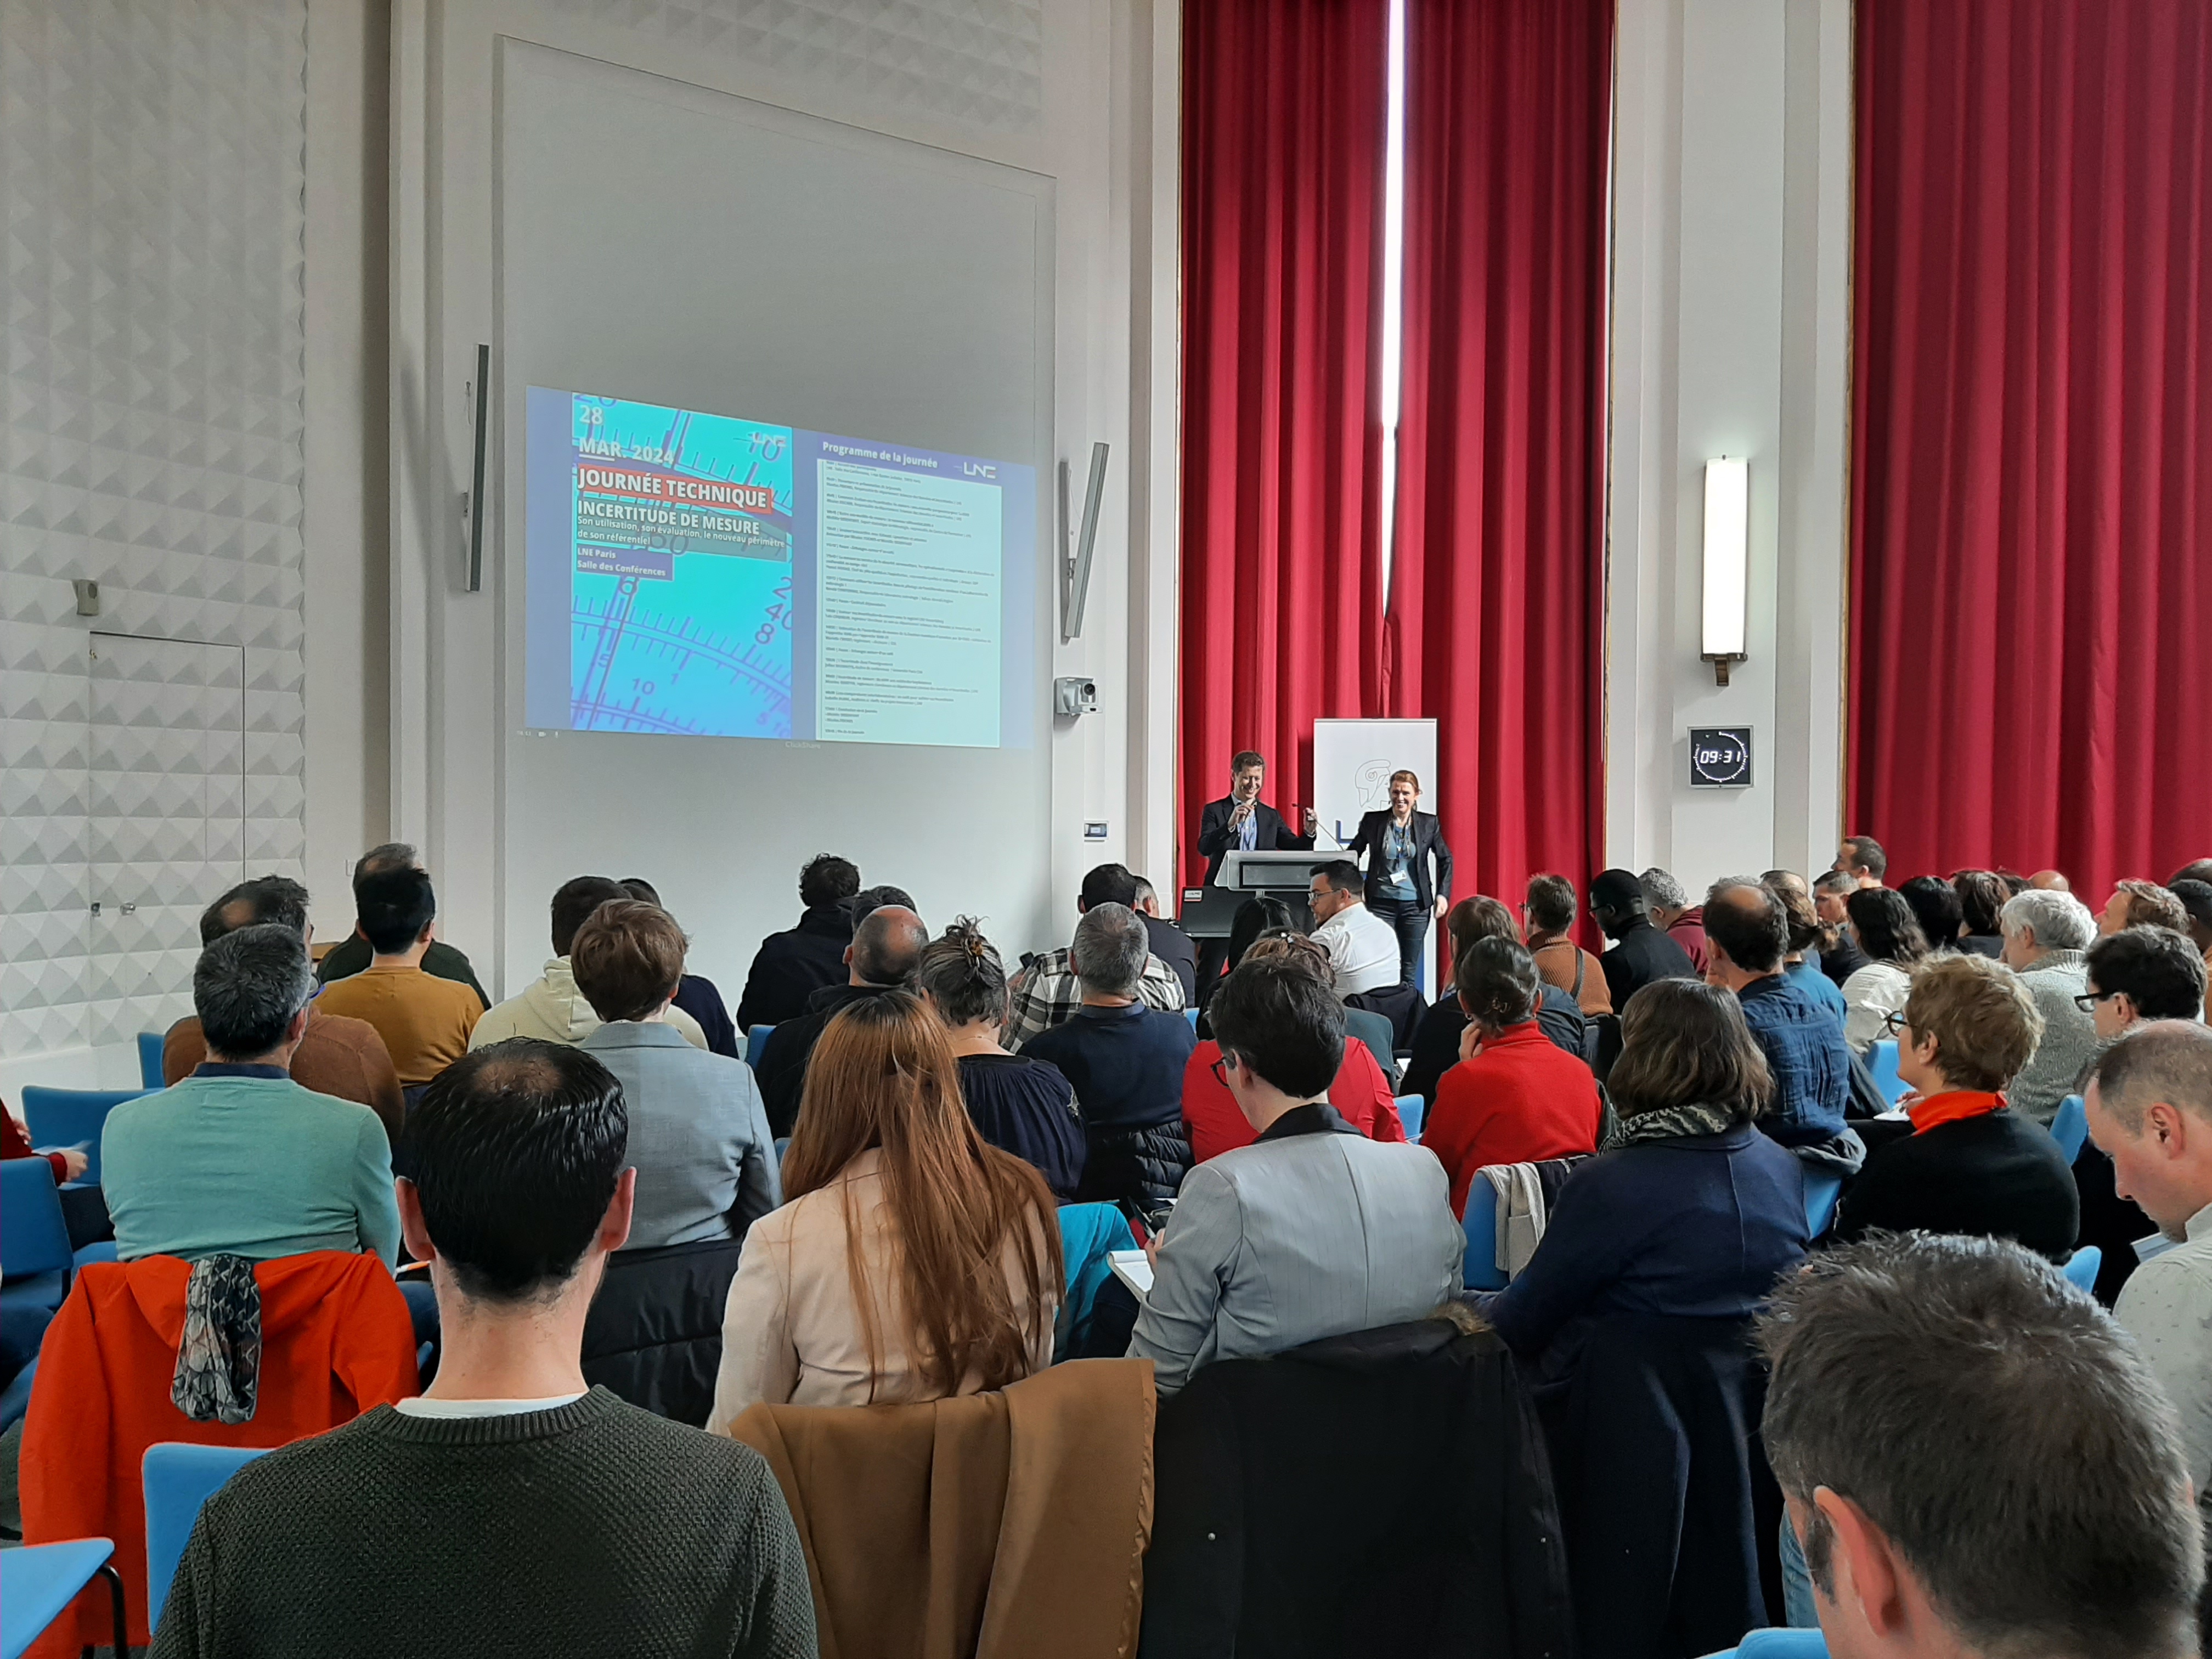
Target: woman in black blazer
<point>1399,841</point>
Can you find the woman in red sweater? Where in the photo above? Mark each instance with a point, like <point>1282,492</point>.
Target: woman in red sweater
<point>1515,1096</point>
<point>1361,1094</point>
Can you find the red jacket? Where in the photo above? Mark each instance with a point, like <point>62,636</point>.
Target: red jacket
<point>14,1143</point>
<point>1520,1100</point>
<point>1360,1094</point>
<point>334,1341</point>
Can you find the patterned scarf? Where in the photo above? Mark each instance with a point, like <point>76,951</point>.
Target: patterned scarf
<point>219,1362</point>
<point>1671,1123</point>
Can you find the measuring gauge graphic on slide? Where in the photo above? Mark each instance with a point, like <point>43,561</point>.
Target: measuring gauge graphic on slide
<point>680,602</point>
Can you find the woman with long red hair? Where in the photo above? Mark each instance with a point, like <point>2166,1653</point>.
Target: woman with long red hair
<point>913,1262</point>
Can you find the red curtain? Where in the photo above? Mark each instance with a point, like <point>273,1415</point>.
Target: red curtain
<point>2031,436</point>
<point>1284,108</point>
<point>1498,575</point>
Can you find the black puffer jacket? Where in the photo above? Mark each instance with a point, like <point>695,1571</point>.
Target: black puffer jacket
<point>654,1333</point>
<point>1145,1166</point>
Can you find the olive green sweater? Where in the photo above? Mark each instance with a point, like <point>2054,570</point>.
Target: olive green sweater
<point>593,1527</point>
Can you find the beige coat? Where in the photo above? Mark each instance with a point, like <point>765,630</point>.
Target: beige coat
<point>791,1330</point>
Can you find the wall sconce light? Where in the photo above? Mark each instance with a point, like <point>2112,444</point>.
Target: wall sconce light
<point>1727,558</point>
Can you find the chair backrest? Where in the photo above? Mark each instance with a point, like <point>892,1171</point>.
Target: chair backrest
<point>2081,1268</point>
<point>150,1059</point>
<point>1778,1645</point>
<point>179,1479</point>
<point>1481,1271</point>
<point>33,1238</point>
<point>756,1043</point>
<point>1822,1190</point>
<point>1881,1061</point>
<point>64,1117</point>
<point>2070,1128</point>
<point>1412,1109</point>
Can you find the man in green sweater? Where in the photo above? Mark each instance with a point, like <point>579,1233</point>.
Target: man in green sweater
<point>509,1510</point>
<point>238,1158</point>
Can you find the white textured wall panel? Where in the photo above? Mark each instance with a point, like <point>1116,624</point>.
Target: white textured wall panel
<point>152,169</point>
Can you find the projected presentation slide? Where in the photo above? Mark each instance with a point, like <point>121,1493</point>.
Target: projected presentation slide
<point>709,575</point>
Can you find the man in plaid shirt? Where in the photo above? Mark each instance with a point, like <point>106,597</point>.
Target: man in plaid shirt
<point>1046,993</point>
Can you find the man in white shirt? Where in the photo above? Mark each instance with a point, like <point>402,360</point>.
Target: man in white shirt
<point>2150,1109</point>
<point>1362,947</point>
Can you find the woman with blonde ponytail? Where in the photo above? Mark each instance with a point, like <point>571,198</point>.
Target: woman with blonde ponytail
<point>913,1262</point>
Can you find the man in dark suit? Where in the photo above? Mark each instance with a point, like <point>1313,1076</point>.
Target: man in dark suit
<point>1242,822</point>
<point>1640,953</point>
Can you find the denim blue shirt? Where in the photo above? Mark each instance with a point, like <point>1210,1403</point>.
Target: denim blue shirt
<point>1803,1042</point>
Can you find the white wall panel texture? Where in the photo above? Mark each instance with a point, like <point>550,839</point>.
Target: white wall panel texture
<point>152,169</point>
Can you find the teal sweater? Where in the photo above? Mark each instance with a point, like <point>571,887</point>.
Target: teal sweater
<point>243,1160</point>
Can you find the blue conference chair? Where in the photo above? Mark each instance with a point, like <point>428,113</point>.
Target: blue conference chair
<point>1413,1111</point>
<point>2070,1128</point>
<point>1777,1644</point>
<point>2081,1267</point>
<point>34,1245</point>
<point>38,1580</point>
<point>149,1060</point>
<point>1881,1061</point>
<point>1822,1189</point>
<point>1191,1014</point>
<point>1481,1271</point>
<point>756,1041</point>
<point>72,1117</point>
<point>178,1479</point>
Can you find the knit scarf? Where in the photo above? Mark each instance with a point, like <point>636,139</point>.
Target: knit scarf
<point>218,1372</point>
<point>1673,1123</point>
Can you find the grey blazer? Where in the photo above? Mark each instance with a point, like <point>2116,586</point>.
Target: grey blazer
<point>1314,1231</point>
<point>698,1136</point>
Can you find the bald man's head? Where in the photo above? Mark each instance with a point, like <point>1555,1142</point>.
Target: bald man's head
<point>886,946</point>
<point>2049,881</point>
<point>1748,922</point>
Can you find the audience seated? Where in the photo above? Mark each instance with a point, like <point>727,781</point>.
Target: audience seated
<point>1047,990</point>
<point>1748,933</point>
<point>508,1510</point>
<point>914,1262</point>
<point>353,954</point>
<point>1673,914</point>
<point>1862,859</point>
<point>1125,1061</point>
<point>1436,1044</point>
<point>792,965</point>
<point>337,1056</point>
<point>1883,926</point>
<point>2196,899</point>
<point>1312,1232</point>
<point>1840,955</point>
<point>1360,1093</point>
<point>1362,947</point>
<point>1551,912</point>
<point>1641,954</point>
<point>698,1134</point>
<point>1514,1097</point>
<point>1982,895</point>
<point>2136,903</point>
<point>2045,933</point>
<point>424,1020</point>
<point>1977,1461</point>
<point>1971,1165</point>
<point>550,1009</point>
<point>1018,1104</point>
<point>1170,943</point>
<point>697,995</point>
<point>1262,913</point>
<point>887,940</point>
<point>2049,881</point>
<point>2151,1112</point>
<point>238,1158</point>
<point>2138,974</point>
<point>1935,904</point>
<point>2195,870</point>
<point>1688,1211</point>
<point>1802,964</point>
